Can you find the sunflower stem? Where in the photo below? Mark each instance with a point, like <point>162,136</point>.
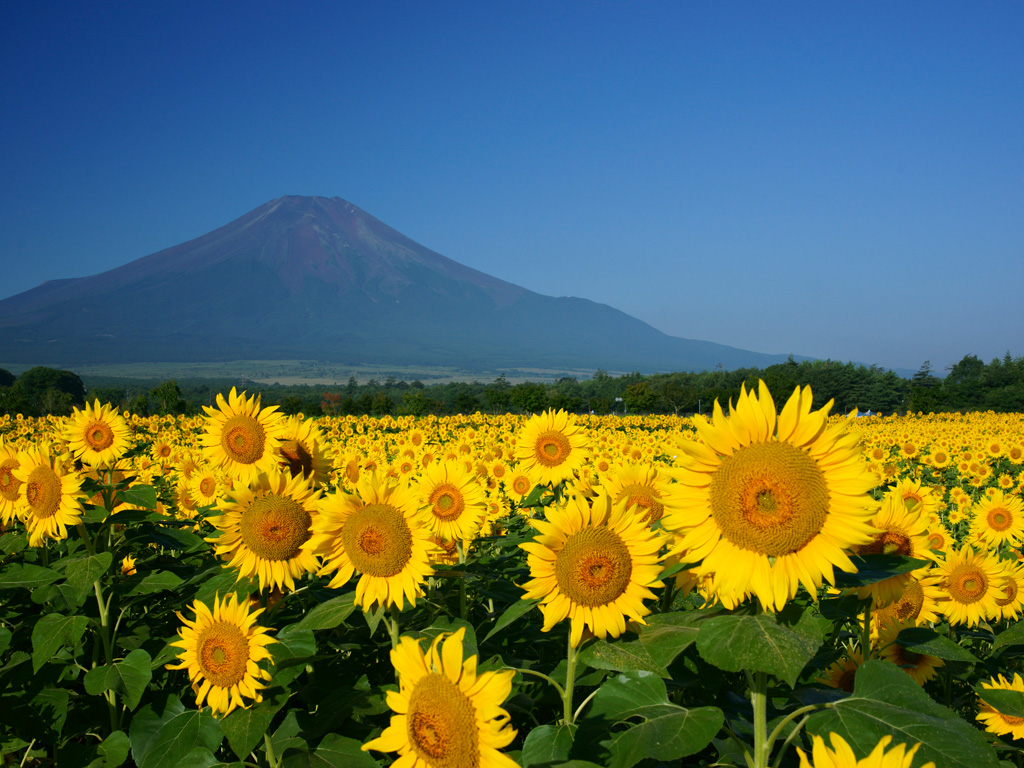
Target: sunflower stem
<point>570,681</point>
<point>668,595</point>
<point>759,701</point>
<point>789,739</point>
<point>865,635</point>
<point>271,757</point>
<point>462,584</point>
<point>559,688</point>
<point>393,626</point>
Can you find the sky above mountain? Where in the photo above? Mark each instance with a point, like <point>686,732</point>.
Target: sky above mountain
<point>824,179</point>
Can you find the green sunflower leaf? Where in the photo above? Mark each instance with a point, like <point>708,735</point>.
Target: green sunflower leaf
<point>128,677</point>
<point>548,743</point>
<point>780,644</point>
<point>887,702</point>
<point>1002,700</point>
<point>53,631</point>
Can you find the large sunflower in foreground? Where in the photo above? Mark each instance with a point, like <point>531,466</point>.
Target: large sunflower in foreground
<point>98,435</point>
<point>593,564</point>
<point>769,502</point>
<point>263,527</point>
<point>972,586</point>
<point>447,716</point>
<point>50,499</point>
<point>994,720</point>
<point>240,437</point>
<point>222,649</point>
<point>551,446</point>
<point>379,532</point>
<point>841,755</point>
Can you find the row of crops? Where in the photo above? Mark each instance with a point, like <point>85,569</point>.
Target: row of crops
<point>773,586</point>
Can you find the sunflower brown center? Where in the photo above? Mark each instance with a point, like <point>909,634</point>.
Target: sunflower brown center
<point>910,603</point>
<point>377,540</point>
<point>967,584</point>
<point>446,502</point>
<point>207,486</point>
<point>892,541</point>
<point>846,680</point>
<point>521,485</point>
<point>769,497</point>
<point>593,567</point>
<point>999,519</point>
<point>243,439</point>
<point>1010,590</point>
<point>42,492</point>
<point>223,653</point>
<point>644,497</point>
<point>297,458</point>
<point>441,724</point>
<point>8,482</point>
<point>552,448</point>
<point>99,436</point>
<point>275,527</point>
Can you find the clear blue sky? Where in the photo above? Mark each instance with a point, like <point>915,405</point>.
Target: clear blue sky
<point>841,180</point>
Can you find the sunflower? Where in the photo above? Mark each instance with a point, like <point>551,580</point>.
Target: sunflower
<point>206,486</point>
<point>222,649</point>
<point>551,447</point>
<point>302,450</point>
<point>971,584</point>
<point>773,502</point>
<point>51,499</point>
<point>263,527</point>
<point>98,435</point>
<point>446,715</point>
<point>841,673</point>
<point>379,532</point>
<point>453,500</point>
<point>240,437</point>
<point>1011,603</point>
<point>998,519</point>
<point>592,564</point>
<point>919,602</point>
<point>920,666</point>
<point>918,498</point>
<point>901,532</point>
<point>841,755</point>
<point>994,720</point>
<point>646,491</point>
<point>9,484</point>
<point>521,483</point>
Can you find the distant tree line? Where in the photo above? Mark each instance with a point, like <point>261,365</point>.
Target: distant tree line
<point>968,386</point>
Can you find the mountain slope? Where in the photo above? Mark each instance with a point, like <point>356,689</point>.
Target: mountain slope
<point>318,278</point>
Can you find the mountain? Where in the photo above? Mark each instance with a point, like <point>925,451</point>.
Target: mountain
<point>317,278</point>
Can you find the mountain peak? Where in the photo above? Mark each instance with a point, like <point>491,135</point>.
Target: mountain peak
<point>319,278</point>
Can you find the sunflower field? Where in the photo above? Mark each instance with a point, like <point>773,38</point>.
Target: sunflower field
<point>773,586</point>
